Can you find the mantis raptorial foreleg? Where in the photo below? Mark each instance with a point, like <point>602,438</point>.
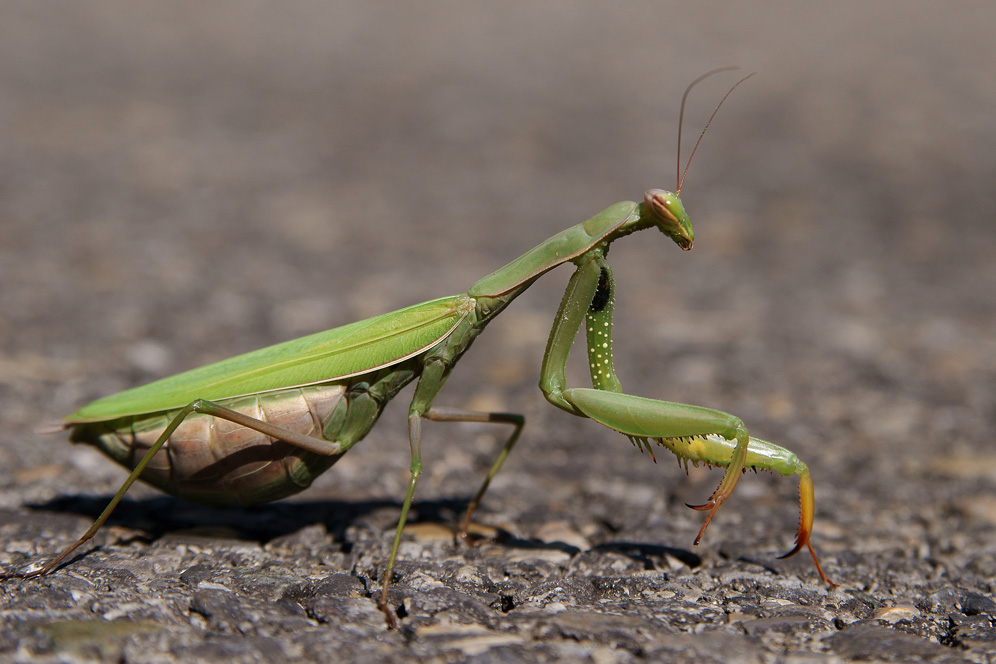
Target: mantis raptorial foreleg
<point>601,365</point>
<point>589,295</point>
<point>693,433</point>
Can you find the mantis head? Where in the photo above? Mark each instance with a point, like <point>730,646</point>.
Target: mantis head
<point>668,214</point>
<point>664,207</point>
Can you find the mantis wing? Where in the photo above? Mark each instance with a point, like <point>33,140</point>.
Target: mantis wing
<point>326,356</point>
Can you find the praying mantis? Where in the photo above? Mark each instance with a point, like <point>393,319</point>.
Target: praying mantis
<point>262,426</point>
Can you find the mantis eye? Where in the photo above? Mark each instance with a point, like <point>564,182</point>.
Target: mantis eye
<point>660,202</point>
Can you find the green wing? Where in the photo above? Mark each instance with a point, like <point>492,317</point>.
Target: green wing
<point>338,353</point>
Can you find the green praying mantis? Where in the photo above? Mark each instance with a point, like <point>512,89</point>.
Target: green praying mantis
<point>263,425</point>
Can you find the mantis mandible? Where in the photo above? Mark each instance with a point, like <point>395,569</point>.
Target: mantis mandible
<point>261,426</point>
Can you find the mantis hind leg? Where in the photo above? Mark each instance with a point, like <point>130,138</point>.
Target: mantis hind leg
<point>199,406</point>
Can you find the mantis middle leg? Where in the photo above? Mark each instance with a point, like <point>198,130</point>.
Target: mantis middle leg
<point>434,374</point>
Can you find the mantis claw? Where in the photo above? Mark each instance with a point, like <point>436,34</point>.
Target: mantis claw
<point>729,482</point>
<point>807,503</point>
<point>713,507</point>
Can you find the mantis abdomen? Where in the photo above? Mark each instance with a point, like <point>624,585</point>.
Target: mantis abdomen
<point>218,462</point>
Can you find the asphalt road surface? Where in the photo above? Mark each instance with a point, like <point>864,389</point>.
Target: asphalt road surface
<point>181,182</point>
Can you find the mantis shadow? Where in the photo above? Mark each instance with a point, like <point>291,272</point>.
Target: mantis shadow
<point>155,517</point>
<point>650,555</point>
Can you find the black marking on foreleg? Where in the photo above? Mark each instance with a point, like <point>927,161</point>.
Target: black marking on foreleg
<point>603,292</point>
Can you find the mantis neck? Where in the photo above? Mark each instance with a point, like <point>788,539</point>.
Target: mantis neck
<point>610,224</point>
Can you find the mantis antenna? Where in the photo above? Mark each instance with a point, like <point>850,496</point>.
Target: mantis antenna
<point>681,116</point>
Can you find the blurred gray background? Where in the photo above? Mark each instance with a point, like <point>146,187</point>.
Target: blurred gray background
<point>184,181</point>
